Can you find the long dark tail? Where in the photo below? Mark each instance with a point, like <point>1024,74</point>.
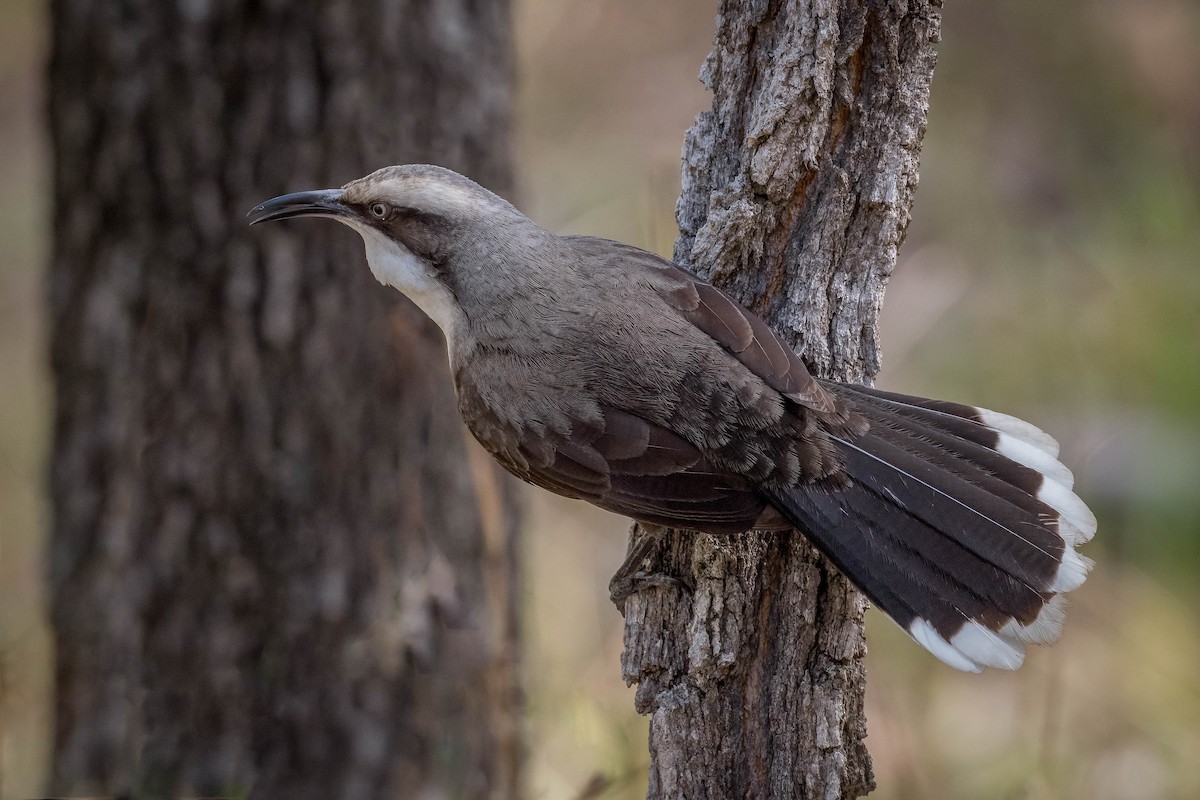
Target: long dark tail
<point>959,523</point>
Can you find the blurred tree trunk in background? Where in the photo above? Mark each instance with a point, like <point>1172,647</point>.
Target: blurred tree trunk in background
<point>796,195</point>
<point>277,567</point>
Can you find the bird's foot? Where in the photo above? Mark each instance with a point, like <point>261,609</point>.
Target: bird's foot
<point>623,586</point>
<point>639,572</point>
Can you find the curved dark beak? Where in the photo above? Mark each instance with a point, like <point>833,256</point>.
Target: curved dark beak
<point>319,203</point>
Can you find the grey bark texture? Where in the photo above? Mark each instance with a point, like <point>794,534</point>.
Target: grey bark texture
<point>266,577</point>
<point>797,188</point>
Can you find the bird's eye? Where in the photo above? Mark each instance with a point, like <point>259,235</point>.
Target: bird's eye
<point>380,210</point>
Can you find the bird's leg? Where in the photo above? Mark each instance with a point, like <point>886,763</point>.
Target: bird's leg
<point>630,578</point>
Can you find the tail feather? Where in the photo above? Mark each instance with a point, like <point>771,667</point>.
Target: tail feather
<point>904,539</point>
<point>988,420</point>
<point>933,592</point>
<point>1033,472</point>
<point>1000,533</point>
<point>959,523</point>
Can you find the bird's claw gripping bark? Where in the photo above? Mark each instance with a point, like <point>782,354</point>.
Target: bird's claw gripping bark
<point>632,577</point>
<point>621,587</point>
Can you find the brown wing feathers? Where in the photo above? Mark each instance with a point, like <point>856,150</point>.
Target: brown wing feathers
<point>746,336</point>
<point>630,466</point>
<point>958,522</point>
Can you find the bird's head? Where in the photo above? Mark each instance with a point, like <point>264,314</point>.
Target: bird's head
<point>417,221</point>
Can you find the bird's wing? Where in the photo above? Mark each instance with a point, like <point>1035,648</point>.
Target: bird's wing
<point>627,465</point>
<point>958,522</point>
<point>735,328</point>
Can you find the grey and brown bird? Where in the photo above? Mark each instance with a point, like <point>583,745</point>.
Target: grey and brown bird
<point>603,372</point>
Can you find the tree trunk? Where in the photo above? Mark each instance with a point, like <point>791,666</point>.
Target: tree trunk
<point>797,188</point>
<point>278,568</point>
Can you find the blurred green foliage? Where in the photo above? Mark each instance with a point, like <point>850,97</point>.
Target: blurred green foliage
<point>1050,271</point>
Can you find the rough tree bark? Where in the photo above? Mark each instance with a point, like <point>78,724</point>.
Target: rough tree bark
<point>265,580</point>
<point>796,195</point>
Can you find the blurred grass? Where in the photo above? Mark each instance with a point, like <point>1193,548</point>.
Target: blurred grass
<point>1050,271</point>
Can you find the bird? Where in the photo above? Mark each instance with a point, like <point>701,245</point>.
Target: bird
<point>603,372</point>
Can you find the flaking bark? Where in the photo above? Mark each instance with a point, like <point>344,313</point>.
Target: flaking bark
<point>266,577</point>
<point>797,188</point>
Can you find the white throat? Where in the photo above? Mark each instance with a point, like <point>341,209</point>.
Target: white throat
<point>394,265</point>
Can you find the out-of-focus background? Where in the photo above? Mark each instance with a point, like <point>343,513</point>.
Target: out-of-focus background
<point>1052,270</point>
